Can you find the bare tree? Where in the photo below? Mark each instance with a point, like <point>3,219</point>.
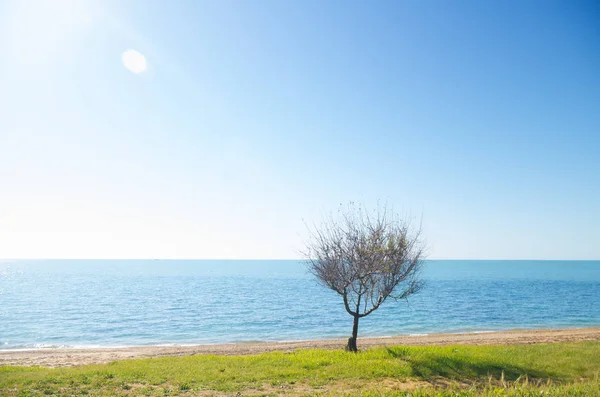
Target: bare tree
<point>366,258</point>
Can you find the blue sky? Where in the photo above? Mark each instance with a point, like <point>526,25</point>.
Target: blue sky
<point>480,118</point>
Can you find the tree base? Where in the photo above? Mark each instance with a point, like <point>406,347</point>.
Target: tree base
<point>351,346</point>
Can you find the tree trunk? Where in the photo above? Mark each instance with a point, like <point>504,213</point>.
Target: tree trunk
<point>352,340</point>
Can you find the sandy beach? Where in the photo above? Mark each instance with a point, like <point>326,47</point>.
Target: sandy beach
<point>71,357</point>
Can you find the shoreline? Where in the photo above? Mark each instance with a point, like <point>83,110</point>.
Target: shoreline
<point>64,357</point>
<point>66,347</point>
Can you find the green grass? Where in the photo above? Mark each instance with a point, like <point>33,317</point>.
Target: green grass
<point>569,369</point>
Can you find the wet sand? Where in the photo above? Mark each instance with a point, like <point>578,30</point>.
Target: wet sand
<point>71,357</point>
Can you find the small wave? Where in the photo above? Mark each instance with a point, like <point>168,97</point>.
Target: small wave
<point>418,334</point>
<point>32,346</point>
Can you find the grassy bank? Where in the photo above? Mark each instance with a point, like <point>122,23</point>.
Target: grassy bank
<point>552,369</point>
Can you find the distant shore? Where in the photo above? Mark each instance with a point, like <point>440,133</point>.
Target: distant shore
<point>71,357</point>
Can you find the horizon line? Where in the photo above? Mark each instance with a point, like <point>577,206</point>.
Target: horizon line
<point>278,259</point>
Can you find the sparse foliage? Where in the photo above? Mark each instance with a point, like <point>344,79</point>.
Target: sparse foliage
<point>366,258</point>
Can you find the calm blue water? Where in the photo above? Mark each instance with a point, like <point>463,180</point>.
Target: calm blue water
<point>146,302</point>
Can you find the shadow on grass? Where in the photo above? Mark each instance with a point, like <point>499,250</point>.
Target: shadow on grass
<point>430,366</point>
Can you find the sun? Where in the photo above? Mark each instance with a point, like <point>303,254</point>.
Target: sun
<point>134,61</point>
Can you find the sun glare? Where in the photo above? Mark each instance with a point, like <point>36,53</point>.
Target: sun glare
<point>134,61</point>
<point>36,31</point>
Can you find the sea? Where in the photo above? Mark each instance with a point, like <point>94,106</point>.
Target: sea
<point>109,303</point>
